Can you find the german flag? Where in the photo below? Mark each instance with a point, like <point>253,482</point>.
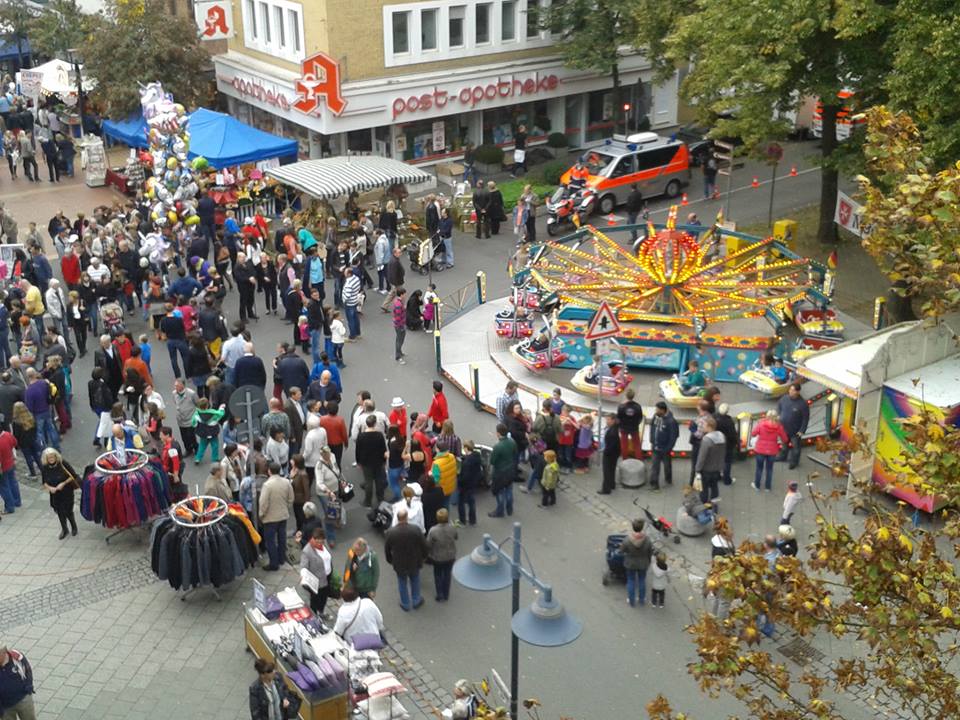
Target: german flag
<point>832,260</point>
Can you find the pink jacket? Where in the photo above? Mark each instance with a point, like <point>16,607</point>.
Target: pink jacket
<point>770,436</point>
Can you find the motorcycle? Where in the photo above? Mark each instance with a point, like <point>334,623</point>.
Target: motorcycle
<point>569,205</point>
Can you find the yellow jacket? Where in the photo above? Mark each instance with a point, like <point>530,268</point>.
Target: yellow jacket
<point>33,302</point>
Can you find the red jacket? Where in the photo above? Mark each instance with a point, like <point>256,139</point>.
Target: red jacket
<point>70,267</point>
<point>770,436</point>
<point>7,458</point>
<point>438,411</point>
<point>398,417</point>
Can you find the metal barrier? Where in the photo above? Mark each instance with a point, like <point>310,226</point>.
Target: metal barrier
<point>469,296</point>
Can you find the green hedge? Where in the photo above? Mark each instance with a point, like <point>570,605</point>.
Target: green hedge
<point>512,189</point>
<point>553,170</point>
<point>489,155</point>
<point>557,140</point>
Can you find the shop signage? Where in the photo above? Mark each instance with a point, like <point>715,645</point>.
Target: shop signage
<point>848,214</point>
<point>252,88</point>
<point>471,96</point>
<point>439,136</point>
<point>214,19</point>
<point>320,79</point>
<point>259,596</point>
<point>31,82</point>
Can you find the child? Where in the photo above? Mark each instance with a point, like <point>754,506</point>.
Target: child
<point>790,501</point>
<point>659,582</point>
<point>535,456</point>
<point>278,449</point>
<point>338,336</point>
<point>551,475</point>
<point>302,334</point>
<point>145,350</point>
<point>778,371</point>
<point>557,402</point>
<point>568,436</point>
<point>584,444</point>
<point>692,381</point>
<point>428,306</point>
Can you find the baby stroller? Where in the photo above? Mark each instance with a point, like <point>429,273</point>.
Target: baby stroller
<point>111,315</point>
<point>381,516</point>
<point>615,569</point>
<point>427,255</point>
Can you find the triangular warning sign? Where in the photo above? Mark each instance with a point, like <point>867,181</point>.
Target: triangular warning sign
<point>603,325</point>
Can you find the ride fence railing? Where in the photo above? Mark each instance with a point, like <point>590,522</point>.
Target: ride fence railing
<point>462,299</point>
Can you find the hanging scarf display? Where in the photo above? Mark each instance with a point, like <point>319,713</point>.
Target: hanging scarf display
<point>124,492</point>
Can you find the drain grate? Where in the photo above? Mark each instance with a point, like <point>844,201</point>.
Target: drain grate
<point>801,652</point>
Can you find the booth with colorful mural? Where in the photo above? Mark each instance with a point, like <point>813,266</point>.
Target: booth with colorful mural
<point>934,389</point>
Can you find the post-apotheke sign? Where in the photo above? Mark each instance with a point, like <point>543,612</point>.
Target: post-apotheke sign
<point>473,96</point>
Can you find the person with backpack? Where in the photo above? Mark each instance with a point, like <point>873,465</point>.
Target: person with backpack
<point>710,169</point>
<point>547,426</point>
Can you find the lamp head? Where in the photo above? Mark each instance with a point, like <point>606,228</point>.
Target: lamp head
<point>546,623</point>
<point>483,569</point>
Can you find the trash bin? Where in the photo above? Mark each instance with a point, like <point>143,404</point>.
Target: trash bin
<point>785,232</point>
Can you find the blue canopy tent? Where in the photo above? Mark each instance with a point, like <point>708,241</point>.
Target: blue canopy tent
<point>221,139</point>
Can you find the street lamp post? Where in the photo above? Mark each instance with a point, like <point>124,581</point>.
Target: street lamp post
<point>73,54</point>
<point>545,623</point>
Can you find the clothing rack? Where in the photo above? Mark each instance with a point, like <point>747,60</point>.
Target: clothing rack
<point>136,461</point>
<point>201,519</point>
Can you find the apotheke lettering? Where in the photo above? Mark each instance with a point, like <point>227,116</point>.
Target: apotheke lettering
<point>471,96</point>
<point>255,90</point>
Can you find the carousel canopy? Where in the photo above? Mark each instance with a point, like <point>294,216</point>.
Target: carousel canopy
<point>336,176</point>
<point>221,139</point>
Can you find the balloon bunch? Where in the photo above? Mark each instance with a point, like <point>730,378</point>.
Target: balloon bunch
<point>173,187</point>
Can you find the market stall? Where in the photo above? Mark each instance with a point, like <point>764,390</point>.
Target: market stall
<point>55,83</point>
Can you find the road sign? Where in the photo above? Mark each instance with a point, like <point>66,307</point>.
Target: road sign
<point>603,325</point>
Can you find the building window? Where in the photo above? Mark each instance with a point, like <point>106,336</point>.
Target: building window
<point>457,15</point>
<point>533,27</point>
<point>401,32</point>
<point>250,20</point>
<point>483,23</point>
<point>294,21</point>
<point>508,20</point>
<point>428,29</point>
<point>274,27</point>
<point>265,22</point>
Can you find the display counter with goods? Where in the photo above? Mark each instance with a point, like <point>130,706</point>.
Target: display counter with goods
<point>331,677</point>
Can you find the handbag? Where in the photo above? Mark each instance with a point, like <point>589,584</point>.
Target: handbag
<point>73,478</point>
<point>519,156</point>
<point>698,483</point>
<point>346,491</point>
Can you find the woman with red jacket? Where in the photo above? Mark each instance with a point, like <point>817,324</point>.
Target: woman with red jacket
<point>438,411</point>
<point>770,437</point>
<point>70,267</point>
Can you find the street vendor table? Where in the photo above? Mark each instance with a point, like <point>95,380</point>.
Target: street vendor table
<point>117,180</point>
<point>314,706</point>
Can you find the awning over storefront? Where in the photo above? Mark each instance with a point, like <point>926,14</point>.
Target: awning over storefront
<point>221,139</point>
<point>336,176</point>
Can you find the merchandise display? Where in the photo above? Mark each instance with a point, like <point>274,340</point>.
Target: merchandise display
<point>204,542</point>
<point>124,492</point>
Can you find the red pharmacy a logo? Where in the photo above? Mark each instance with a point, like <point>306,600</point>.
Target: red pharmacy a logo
<point>320,79</point>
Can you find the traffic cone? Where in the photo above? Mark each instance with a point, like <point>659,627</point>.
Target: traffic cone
<point>683,200</point>
<point>755,183</point>
<point>793,171</point>
<point>611,220</point>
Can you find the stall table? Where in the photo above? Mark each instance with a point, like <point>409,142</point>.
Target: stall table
<point>314,706</point>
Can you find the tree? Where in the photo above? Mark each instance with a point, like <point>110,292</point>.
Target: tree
<point>59,27</point>
<point>15,19</point>
<point>913,216</point>
<point>751,62</point>
<point>136,41</point>
<point>592,33</point>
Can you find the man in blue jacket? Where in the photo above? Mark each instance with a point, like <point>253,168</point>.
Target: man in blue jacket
<point>41,269</point>
<point>663,436</point>
<point>16,686</point>
<point>794,415</point>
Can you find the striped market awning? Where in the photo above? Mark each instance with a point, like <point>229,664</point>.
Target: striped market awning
<point>336,176</point>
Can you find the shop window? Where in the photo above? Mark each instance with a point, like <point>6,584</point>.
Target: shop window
<point>360,141</point>
<point>401,32</point>
<point>428,29</point>
<point>508,20</point>
<point>415,141</point>
<point>533,21</point>
<point>483,23</point>
<point>600,122</point>
<point>573,107</point>
<point>457,15</point>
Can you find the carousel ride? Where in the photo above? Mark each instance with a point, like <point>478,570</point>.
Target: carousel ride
<point>680,293</point>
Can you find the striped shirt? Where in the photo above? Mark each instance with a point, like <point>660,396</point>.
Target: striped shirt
<point>399,314</point>
<point>351,291</point>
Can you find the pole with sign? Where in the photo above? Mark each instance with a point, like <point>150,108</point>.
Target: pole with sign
<point>603,325</point>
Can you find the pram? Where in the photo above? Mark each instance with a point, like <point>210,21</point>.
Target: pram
<point>427,255</point>
<point>615,569</point>
<point>381,517</point>
<point>111,315</point>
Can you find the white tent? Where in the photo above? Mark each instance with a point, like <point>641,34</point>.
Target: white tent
<point>59,77</point>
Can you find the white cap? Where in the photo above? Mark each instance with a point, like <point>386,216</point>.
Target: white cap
<point>397,402</point>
